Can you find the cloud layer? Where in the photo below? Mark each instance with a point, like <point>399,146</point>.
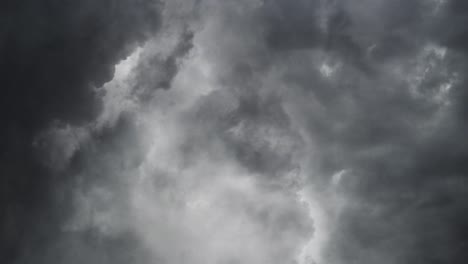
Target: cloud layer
<point>212,131</point>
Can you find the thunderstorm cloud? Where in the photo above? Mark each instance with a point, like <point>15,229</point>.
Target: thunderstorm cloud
<point>233,132</point>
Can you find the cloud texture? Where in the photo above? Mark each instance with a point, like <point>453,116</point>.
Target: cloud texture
<point>251,131</point>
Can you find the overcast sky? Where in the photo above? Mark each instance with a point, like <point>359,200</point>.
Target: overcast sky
<point>233,132</point>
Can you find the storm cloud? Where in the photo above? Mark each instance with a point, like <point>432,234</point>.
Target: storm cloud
<point>205,131</point>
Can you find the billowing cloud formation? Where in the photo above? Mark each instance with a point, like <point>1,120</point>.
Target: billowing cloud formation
<point>267,131</point>
<point>53,54</point>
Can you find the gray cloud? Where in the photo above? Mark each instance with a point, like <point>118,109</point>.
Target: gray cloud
<point>52,54</point>
<point>268,132</point>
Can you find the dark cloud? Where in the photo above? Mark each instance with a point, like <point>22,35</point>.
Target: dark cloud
<point>53,53</point>
<point>391,112</point>
<point>400,144</point>
<point>157,72</point>
<point>350,112</point>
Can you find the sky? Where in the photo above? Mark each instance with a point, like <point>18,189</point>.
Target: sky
<point>233,132</point>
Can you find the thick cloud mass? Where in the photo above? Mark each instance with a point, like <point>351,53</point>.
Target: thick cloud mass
<point>52,54</point>
<point>206,131</point>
